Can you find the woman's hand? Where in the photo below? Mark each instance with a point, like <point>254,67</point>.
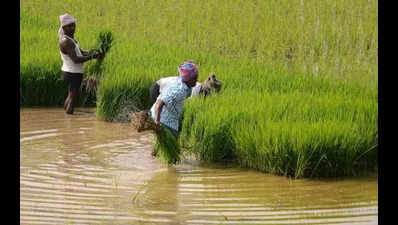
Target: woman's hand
<point>157,126</point>
<point>158,109</point>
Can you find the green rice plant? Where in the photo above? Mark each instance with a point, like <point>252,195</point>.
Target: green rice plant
<point>288,134</point>
<point>167,147</point>
<point>91,81</point>
<point>311,37</point>
<point>129,71</point>
<point>322,149</point>
<point>105,41</point>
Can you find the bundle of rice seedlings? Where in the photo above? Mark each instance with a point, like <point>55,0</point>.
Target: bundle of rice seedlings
<point>167,148</point>
<point>90,84</point>
<point>141,121</point>
<point>104,43</point>
<point>211,84</point>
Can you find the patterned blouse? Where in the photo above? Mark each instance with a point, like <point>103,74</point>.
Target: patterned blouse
<point>173,97</point>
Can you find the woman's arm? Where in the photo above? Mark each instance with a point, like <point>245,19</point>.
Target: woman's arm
<point>158,109</point>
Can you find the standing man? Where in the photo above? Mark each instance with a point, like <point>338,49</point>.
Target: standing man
<point>73,58</point>
<point>167,110</point>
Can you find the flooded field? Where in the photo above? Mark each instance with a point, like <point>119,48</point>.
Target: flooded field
<point>75,169</point>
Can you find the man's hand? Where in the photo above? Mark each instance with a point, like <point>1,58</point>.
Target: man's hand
<point>95,54</point>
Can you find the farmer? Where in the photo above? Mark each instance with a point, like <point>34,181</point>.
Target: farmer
<point>167,110</point>
<point>210,84</point>
<point>73,58</point>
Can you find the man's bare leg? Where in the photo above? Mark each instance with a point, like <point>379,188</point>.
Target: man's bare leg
<point>69,104</point>
<point>67,100</point>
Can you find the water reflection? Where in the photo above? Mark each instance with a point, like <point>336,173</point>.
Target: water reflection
<point>77,170</point>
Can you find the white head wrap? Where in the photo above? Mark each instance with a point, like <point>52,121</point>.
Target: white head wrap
<point>65,19</point>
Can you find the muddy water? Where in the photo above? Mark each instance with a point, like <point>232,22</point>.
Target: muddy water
<point>77,170</point>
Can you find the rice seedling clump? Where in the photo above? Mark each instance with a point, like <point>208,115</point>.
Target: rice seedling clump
<point>167,147</point>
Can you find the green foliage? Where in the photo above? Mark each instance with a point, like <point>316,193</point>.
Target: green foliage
<point>95,72</point>
<point>292,133</point>
<point>167,147</point>
<point>105,40</point>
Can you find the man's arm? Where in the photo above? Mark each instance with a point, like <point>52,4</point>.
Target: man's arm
<point>68,47</point>
<point>85,52</point>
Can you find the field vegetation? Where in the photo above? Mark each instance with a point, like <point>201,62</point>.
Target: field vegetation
<point>300,77</point>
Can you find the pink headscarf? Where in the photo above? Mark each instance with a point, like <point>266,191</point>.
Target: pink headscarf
<point>188,70</point>
<point>65,19</point>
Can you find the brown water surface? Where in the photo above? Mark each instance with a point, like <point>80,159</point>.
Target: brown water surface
<point>78,170</point>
